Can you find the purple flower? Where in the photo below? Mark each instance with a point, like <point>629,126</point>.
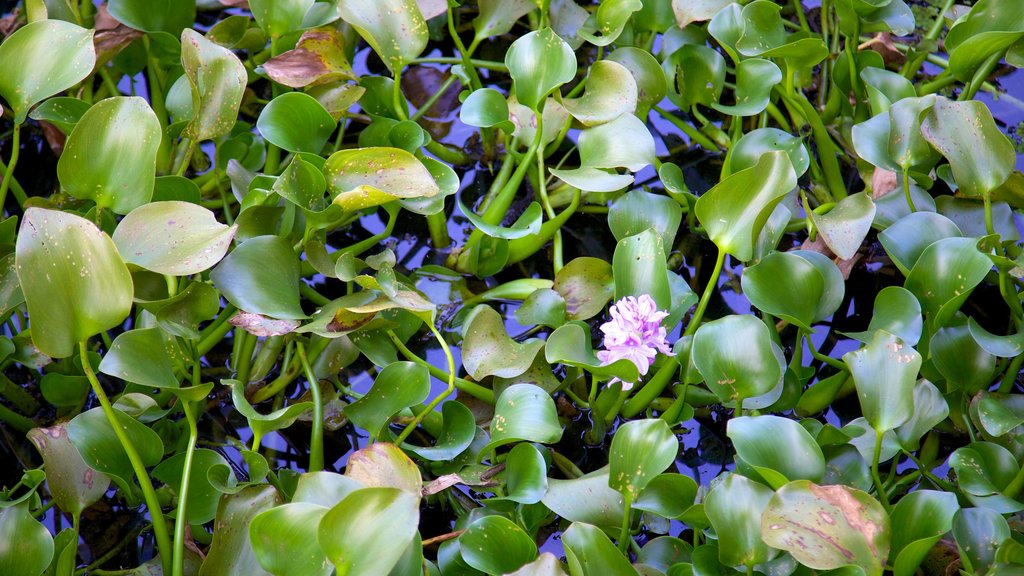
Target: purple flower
<point>634,333</point>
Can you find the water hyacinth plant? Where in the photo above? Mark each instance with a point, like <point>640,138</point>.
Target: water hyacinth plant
<point>511,287</point>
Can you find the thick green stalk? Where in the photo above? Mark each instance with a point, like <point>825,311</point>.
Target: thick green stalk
<point>9,172</point>
<point>472,388</point>
<point>875,476</point>
<point>316,439</point>
<point>163,539</point>
<point>181,519</point>
<point>654,387</point>
<point>433,403</point>
<point>691,132</point>
<point>706,296</point>
<point>626,522</point>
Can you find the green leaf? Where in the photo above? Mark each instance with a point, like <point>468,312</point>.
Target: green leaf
<point>1001,346</point>
<point>368,531</point>
<point>528,223</point>
<point>169,16</point>
<point>383,464</point>
<point>395,29</point>
<point>884,372</point>
<point>29,545</point>
<point>639,268</point>
<point>496,545</point>
<point>487,350</point>
<point>668,495</point>
<point>570,344</point>
<point>260,423</point>
<point>779,449</point>
<point>923,517</point>
<point>486,108</point>
<point>41,59</point>
<point>61,111</point>
<point>946,273</point>
<point>884,87</point>
<point>539,62</point>
<point>74,282</point>
<point>687,11</point>
<point>828,527</point>
<point>587,285</point>
<point>218,81</point>
<point>637,210</point>
<point>610,92</point>
<point>997,413</point>
<point>546,564</point>
<point>735,357</point>
<point>525,475</point>
<point>364,177</point>
<point>749,149</point>
<point>978,533</point>
<point>73,484</point>
<point>586,499</point>
<point>755,78</point>
<point>261,276</point>
<point>605,25</point>
<point>844,227</point>
<point>524,412</point>
<point>174,238</point>
<point>794,286</point>
<point>324,488</point>
<point>284,540</point>
<point>591,553</point>
<point>622,143</point>
<point>734,505</point>
<point>695,75</point>
<point>296,122</point>
<point>930,409</point>
<point>92,434</point>
<point>647,73</point>
<point>111,154</point>
<point>735,210</point>
<point>497,17</point>
<point>201,506</point>
<point>640,450</point>
<point>279,17</point>
<point>989,28</point>
<point>898,312</point>
<point>543,307</point>
<point>980,155</point>
<point>983,471</point>
<point>231,551</point>
<point>141,357</point>
<point>397,387</point>
<point>457,434</point>
<point>961,360</point>
<point>906,239</point>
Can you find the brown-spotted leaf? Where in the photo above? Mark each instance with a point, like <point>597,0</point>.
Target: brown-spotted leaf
<point>828,527</point>
<point>73,484</point>
<point>318,58</point>
<point>261,325</point>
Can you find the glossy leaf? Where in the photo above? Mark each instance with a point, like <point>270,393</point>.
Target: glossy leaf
<point>497,17</point>
<point>978,533</point>
<point>73,484</point>
<point>909,236</point>
<point>965,133</point>
<point>930,409</point>
<point>696,75</point>
<point>364,177</point>
<point>174,238</point>
<point>639,268</point>
<point>749,149</point>
<point>264,423</point>
<point>92,434</point>
<point>884,372</point>
<point>687,11</point>
<point>496,545</point>
<point>525,474</point>
<point>828,527</point>
<point>610,92</point>
<point>279,17</point>
<point>169,16</point>
<point>110,157</point>
<point>524,412</point>
<point>779,449</point>
<point>946,273</point>
<point>959,358</point>
<point>669,495</point>
<point>487,349</point>
<point>539,62</point>
<point>650,79</point>
<point>284,540</point>
<point>640,450</point>
<point>318,58</point>
<point>74,282</point>
<point>570,344</point>
<point>397,387</point>
<point>845,226</point>
<point>622,143</point>
<point>543,307</point>
<point>588,499</point>
<point>591,553</point>
<point>922,518</point>
<point>43,58</point>
<point>231,551</point>
<point>605,25</point>
<point>734,356</point>
<point>755,78</point>
<point>141,357</point>
<point>984,470</point>
<point>203,498</point>
<point>384,465</point>
<point>637,210</point>
<point>486,108</point>
<point>457,434</point>
<point>735,210</point>
<point>368,531</point>
<point>261,276</point>
<point>218,81</point>
<point>898,312</point>
<point>791,286</point>
<point>734,507</point>
<point>528,223</point>
<point>29,545</point>
<point>296,122</point>
<point>395,29</point>
<point>587,285</point>
<point>988,29</point>
<point>545,565</point>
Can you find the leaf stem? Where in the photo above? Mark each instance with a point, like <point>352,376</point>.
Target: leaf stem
<point>626,522</point>
<point>9,172</point>
<point>472,388</point>
<point>875,477</point>
<point>706,296</point>
<point>316,438</point>
<point>181,519</point>
<point>906,190</point>
<point>690,131</point>
<point>163,539</point>
<point>433,403</point>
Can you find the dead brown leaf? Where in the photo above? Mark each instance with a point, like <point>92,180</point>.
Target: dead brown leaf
<point>318,58</point>
<point>111,36</point>
<point>883,182</point>
<point>883,44</point>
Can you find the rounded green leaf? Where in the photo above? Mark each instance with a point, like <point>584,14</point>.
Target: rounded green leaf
<point>591,553</point>
<point>279,17</point>
<point>486,108</point>
<point>930,409</point>
<point>169,16</point>
<point>41,59</point>
<point>383,464</point>
<point>980,155</point>
<point>74,281</point>
<point>906,239</point>
<point>828,527</point>
<point>639,268</point>
<point>735,210</point>
<point>610,92</point>
<point>571,344</point>
<point>734,355</point>
<point>638,210</point>
<point>898,312</point>
<point>94,437</point>
<point>983,471</point>
<point>231,551</point>
<point>668,495</point>
<point>457,434</point>
<point>496,545</point>
<point>647,73</point>
<point>606,24</point>
<point>397,387</point>
<point>368,531</point>
<point>284,540</point>
<point>261,276</point>
<point>497,17</point>
<point>110,157</point>
<point>779,449</point>
<point>1001,346</point>
<point>539,62</point>
<point>789,285</point>
<point>907,147</point>
<point>588,499</point>
<point>543,307</point>
<point>978,533</point>
<point>923,516</point>
<point>364,177</point>
<point>174,238</point>
<point>946,273</point>
<point>733,506</point>
<point>395,29</point>
<point>884,372</point>
<point>73,484</point>
<point>263,423</point>
<point>141,357</point>
<point>988,29</point>
<point>28,545</point>
<point>218,81</point>
<point>695,74</point>
<point>961,360</point>
<point>749,149</point>
<point>203,498</point>
<point>884,87</point>
<point>844,227</point>
<point>296,122</point>
<point>587,285</point>
<point>324,488</point>
<point>687,11</point>
<point>640,450</point>
<point>524,412</point>
<point>487,349</point>
<point>755,78</point>
<point>525,474</point>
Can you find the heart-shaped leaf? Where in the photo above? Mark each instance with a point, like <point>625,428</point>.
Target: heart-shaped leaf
<point>218,80</point>
<point>140,356</point>
<point>610,92</point>
<point>296,122</point>
<point>487,349</point>
<point>397,387</point>
<point>175,238</point>
<point>587,285</point>
<point>779,449</point>
<point>524,412</point>
<point>231,551</point>
<point>261,276</point>
<point>496,545</point>
<point>74,485</point>
<point>539,62</point>
<point>965,133</point>
<point>591,553</point>
<point>30,546</point>
<point>368,531</point>
<point>923,517</point>
<point>734,506</point>
<point>586,499</point>
<point>946,273</point>
<point>796,286</point>
<point>284,540</point>
<point>884,372</point>
<point>735,357</point>
<point>640,450</point>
